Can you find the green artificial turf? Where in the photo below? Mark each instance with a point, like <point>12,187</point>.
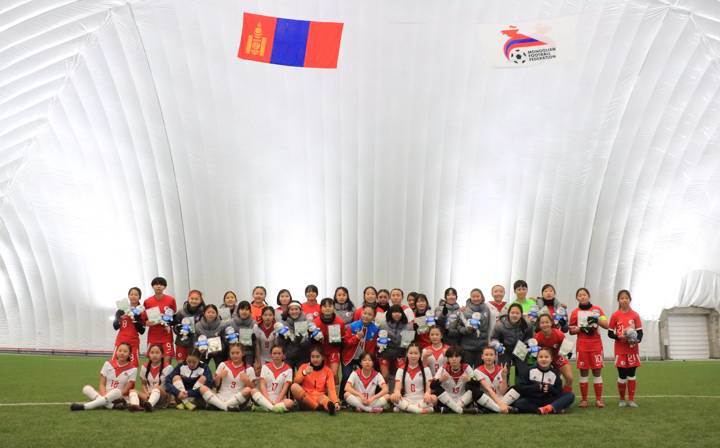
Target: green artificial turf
<point>660,421</point>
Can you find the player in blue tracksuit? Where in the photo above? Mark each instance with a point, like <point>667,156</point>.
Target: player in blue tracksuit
<point>185,379</point>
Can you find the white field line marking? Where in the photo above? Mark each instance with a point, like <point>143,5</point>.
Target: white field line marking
<point>66,403</point>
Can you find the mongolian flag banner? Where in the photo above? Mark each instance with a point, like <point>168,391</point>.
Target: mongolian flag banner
<point>298,43</point>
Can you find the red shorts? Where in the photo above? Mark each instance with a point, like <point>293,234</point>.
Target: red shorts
<point>168,349</point>
<point>134,352</point>
<point>332,354</point>
<point>398,362</point>
<point>589,360</point>
<point>560,361</point>
<point>181,352</point>
<point>626,361</point>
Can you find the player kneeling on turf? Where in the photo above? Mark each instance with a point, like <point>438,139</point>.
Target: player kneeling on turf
<point>412,384</point>
<point>541,391</point>
<point>489,385</point>
<point>314,386</point>
<point>366,389</point>
<point>449,383</point>
<point>153,375</point>
<point>186,380</point>
<point>274,383</point>
<point>117,383</point>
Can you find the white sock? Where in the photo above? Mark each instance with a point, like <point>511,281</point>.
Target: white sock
<point>262,401</point>
<point>239,398</point>
<point>154,397</point>
<point>450,402</point>
<point>510,397</point>
<point>90,392</point>
<point>134,399</point>
<point>356,402</point>
<point>597,380</point>
<point>466,398</point>
<point>488,403</point>
<point>379,403</point>
<point>111,396</point>
<point>211,398</point>
<point>410,407</point>
<point>181,387</point>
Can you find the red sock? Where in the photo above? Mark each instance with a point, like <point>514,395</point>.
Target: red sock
<point>567,388</point>
<point>631,389</point>
<point>598,390</point>
<point>547,409</point>
<point>584,391</point>
<point>621,390</point>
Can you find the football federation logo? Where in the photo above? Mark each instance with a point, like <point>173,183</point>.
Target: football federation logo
<point>521,49</point>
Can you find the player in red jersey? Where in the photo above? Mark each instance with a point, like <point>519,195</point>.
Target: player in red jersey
<point>552,338</point>
<point>585,322</point>
<point>160,330</point>
<point>626,329</point>
<point>311,308</point>
<point>369,299</point>
<point>130,325</point>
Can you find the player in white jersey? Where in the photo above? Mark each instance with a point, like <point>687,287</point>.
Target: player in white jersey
<point>265,336</point>
<point>234,381</point>
<point>366,389</point>
<point>449,382</point>
<point>433,356</point>
<point>412,385</point>
<point>490,387</point>
<point>117,381</point>
<point>274,382</point>
<point>152,376</point>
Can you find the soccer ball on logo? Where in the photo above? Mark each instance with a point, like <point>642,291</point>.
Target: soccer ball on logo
<point>518,56</point>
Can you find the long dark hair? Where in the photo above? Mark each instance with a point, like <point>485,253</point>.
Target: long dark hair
<point>162,362</point>
<point>350,305</point>
<point>407,364</point>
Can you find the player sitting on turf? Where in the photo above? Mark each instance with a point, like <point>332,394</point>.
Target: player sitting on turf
<point>153,375</point>
<point>449,382</point>
<point>186,379</point>
<point>541,390</point>
<point>412,385</point>
<point>117,383</point>
<point>366,389</point>
<point>274,383</point>
<point>314,386</point>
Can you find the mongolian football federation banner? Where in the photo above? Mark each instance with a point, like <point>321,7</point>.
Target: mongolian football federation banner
<point>528,44</point>
<point>297,43</point>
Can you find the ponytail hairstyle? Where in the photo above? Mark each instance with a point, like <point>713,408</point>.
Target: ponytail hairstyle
<point>407,363</point>
<point>621,292</point>
<point>583,289</point>
<point>263,289</point>
<point>162,362</point>
<point>135,288</point>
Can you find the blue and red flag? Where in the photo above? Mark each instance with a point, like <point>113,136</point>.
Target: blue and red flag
<point>518,40</point>
<point>298,43</point>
